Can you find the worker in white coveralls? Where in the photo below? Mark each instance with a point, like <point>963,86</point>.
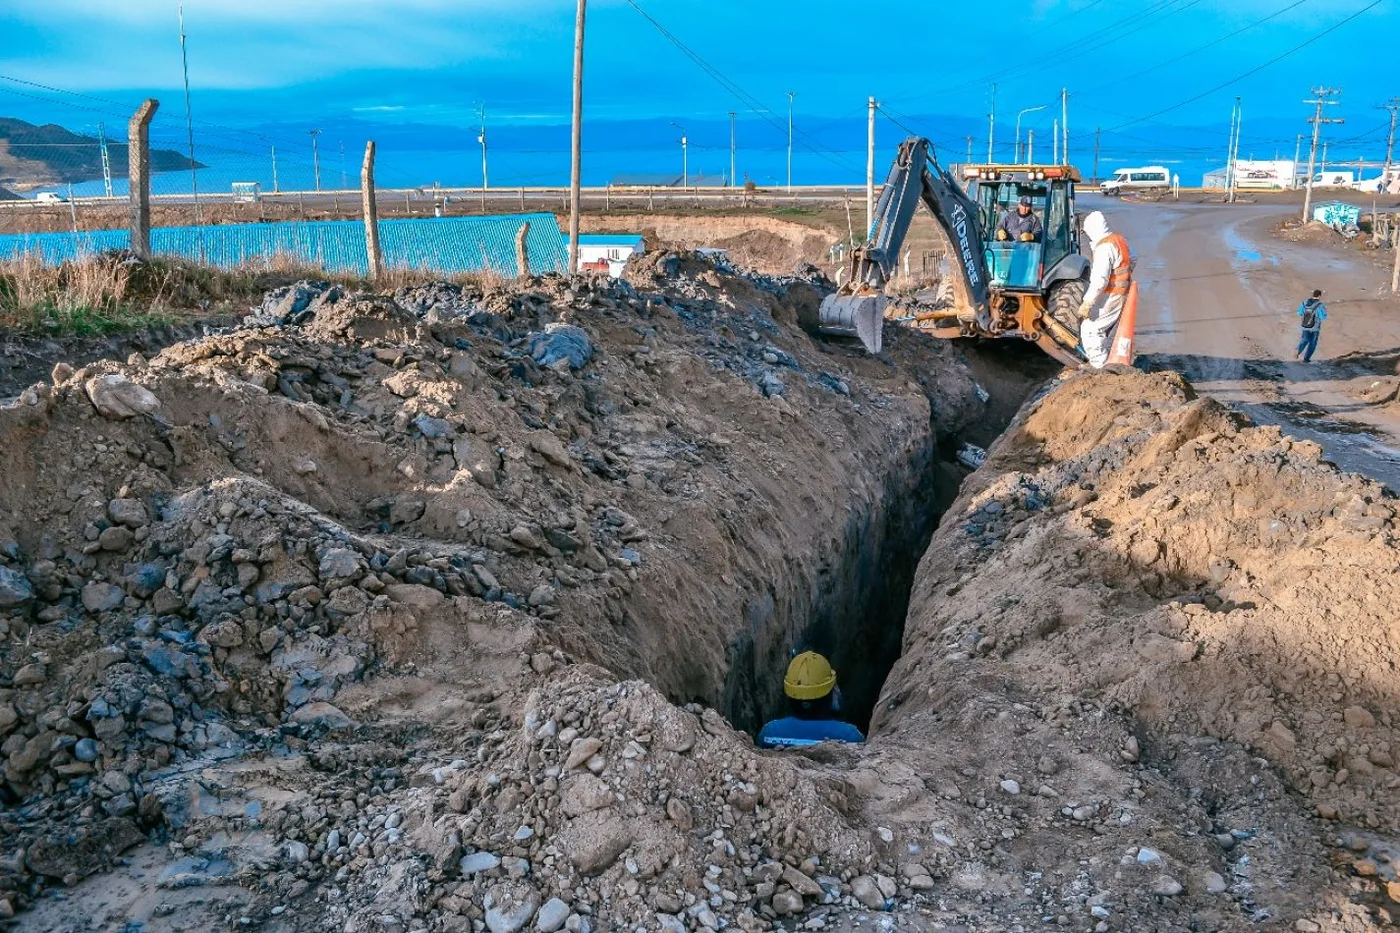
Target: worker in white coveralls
<point>1109,278</point>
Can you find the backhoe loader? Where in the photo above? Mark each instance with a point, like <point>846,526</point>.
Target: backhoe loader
<point>1026,290</point>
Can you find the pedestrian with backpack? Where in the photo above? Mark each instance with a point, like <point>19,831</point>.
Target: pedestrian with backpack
<point>1313,312</point>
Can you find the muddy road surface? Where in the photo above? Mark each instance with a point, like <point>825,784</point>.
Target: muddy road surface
<point>1219,291</point>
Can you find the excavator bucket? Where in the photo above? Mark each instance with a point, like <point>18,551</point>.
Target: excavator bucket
<point>861,316</point>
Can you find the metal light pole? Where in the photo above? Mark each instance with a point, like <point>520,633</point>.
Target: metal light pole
<point>732,178</point>
<point>275,189</point>
<point>481,138</point>
<point>791,94</point>
<point>1018,131</point>
<point>576,169</point>
<point>992,123</point>
<point>1297,149</point>
<point>106,160</point>
<point>870,167</point>
<point>315,157</point>
<point>685,157</point>
<point>189,118</point>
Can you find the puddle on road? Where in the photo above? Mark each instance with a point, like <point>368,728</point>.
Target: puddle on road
<point>1244,249</point>
<point>1320,419</point>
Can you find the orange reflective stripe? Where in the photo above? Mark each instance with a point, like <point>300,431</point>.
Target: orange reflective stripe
<point>1121,276</point>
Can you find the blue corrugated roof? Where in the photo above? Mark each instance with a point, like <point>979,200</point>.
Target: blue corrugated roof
<point>439,244</point>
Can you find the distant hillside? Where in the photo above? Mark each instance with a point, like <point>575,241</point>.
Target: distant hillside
<point>36,156</point>
<point>8,195</point>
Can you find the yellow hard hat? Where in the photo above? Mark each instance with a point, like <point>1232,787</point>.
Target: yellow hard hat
<point>809,677</point>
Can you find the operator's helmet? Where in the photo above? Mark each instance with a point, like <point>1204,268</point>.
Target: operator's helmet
<point>1025,201</point>
<point>809,677</point>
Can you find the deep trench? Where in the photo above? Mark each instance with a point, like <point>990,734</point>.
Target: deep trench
<point>854,611</point>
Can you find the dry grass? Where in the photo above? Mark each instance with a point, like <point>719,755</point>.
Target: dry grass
<point>88,295</point>
<point>105,293</point>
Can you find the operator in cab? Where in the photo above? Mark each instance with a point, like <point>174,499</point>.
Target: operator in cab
<point>813,697</point>
<point>1021,224</point>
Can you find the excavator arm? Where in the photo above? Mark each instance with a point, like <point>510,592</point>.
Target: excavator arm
<point>857,309</point>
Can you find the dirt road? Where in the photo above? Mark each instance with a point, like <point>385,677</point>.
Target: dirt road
<point>1219,291</point>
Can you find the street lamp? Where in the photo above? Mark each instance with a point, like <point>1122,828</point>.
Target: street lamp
<point>316,158</point>
<point>791,95</point>
<point>685,157</point>
<point>1018,129</point>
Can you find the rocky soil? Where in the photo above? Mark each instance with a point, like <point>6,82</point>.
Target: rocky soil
<point>318,621</point>
<point>1157,636</point>
<point>447,611</point>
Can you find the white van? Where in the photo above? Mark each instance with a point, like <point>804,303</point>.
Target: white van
<point>1333,179</point>
<point>1137,179</point>
<point>49,197</point>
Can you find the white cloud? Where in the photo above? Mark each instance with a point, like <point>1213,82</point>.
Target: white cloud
<point>256,44</point>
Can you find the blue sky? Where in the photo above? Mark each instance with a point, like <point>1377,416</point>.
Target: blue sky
<point>413,62</point>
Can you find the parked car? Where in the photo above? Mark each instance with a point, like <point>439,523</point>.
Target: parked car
<point>1137,179</point>
<point>49,197</point>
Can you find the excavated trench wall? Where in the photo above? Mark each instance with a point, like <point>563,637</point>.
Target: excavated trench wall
<point>852,608</point>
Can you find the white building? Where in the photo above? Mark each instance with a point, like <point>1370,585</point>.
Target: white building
<point>608,252</point>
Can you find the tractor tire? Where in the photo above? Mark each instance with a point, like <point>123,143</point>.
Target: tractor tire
<point>1063,304</point>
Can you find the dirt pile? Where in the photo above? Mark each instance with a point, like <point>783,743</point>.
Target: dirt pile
<point>767,244</point>
<point>306,604</point>
<point>1166,630</point>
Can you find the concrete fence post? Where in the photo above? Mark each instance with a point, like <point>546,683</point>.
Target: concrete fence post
<point>522,251</point>
<point>372,254</point>
<point>138,160</point>
<point>1395,268</point>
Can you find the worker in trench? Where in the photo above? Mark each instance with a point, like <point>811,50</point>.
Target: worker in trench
<point>1109,279</point>
<point>814,701</point>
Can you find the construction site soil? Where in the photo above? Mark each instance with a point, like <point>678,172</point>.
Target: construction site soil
<point>454,610</point>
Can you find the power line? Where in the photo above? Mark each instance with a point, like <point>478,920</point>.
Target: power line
<point>1258,68</point>
<point>1117,29</point>
<point>755,105</point>
<point>1214,42</point>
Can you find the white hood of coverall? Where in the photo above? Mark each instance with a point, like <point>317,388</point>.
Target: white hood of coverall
<point>1096,227</point>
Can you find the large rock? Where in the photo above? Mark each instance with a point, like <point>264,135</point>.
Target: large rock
<point>15,588</point>
<point>865,890</point>
<point>585,793</point>
<point>339,564</point>
<point>595,840</point>
<point>561,342</point>
<point>128,512</point>
<point>117,397</point>
<point>102,597</point>
<point>509,907</point>
<point>552,916</point>
<point>83,850</point>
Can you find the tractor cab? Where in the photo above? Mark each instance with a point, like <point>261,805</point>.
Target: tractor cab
<point>1015,266</point>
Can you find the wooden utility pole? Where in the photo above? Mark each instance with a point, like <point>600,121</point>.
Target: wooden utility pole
<point>870,167</point>
<point>1233,157</point>
<point>1322,97</point>
<point>372,253</point>
<point>138,157</point>
<point>1395,268</point>
<point>1393,105</point>
<point>576,169</point>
